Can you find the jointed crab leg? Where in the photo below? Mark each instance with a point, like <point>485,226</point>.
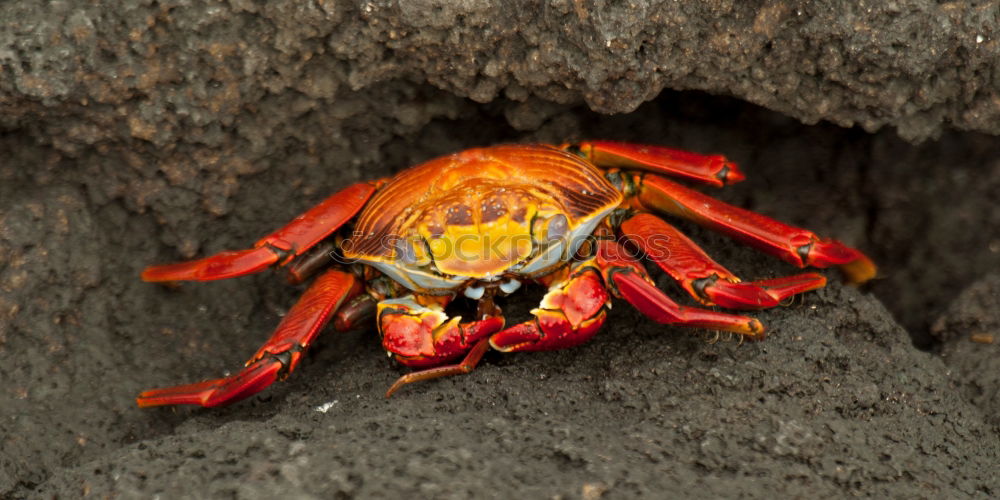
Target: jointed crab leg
<point>465,366</point>
<point>791,244</point>
<point>715,170</point>
<point>626,278</point>
<point>277,357</point>
<point>703,278</point>
<point>278,247</point>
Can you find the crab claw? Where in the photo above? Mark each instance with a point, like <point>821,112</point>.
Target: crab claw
<point>425,336</point>
<point>570,314</point>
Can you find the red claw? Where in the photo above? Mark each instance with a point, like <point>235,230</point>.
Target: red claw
<point>425,336</point>
<point>569,314</point>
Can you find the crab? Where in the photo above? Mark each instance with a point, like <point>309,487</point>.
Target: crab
<point>578,219</point>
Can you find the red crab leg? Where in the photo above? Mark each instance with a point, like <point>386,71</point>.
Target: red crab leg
<point>467,365</point>
<point>715,170</point>
<point>278,247</point>
<point>791,244</point>
<point>357,312</point>
<point>706,280</point>
<point>277,357</point>
<point>627,279</point>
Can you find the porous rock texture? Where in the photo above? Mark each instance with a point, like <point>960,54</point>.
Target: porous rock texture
<point>155,131</point>
<point>970,331</point>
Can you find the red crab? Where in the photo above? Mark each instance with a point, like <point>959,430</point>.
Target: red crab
<point>574,218</point>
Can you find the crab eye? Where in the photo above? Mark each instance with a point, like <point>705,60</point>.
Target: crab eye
<point>510,286</point>
<point>475,292</point>
<point>556,228</point>
<point>549,230</point>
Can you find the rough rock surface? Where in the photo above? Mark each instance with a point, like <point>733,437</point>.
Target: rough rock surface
<point>188,73</point>
<point>970,330</point>
<point>160,131</point>
<point>632,414</point>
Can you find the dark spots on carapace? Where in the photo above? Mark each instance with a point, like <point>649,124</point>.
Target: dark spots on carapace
<point>519,215</point>
<point>435,229</point>
<point>492,209</point>
<point>459,215</point>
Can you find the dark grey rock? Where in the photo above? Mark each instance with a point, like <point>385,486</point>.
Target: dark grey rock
<point>835,402</point>
<point>970,330</point>
<point>192,73</point>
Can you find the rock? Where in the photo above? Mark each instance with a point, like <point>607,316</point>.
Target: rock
<point>970,330</point>
<point>835,402</point>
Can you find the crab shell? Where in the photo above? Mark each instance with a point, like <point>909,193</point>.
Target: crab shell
<point>481,215</point>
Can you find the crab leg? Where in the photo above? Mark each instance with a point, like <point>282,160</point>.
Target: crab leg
<point>277,357</point>
<point>467,365</point>
<point>706,280</point>
<point>714,170</point>
<point>278,247</point>
<point>797,246</point>
<point>627,279</point>
<point>357,312</point>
